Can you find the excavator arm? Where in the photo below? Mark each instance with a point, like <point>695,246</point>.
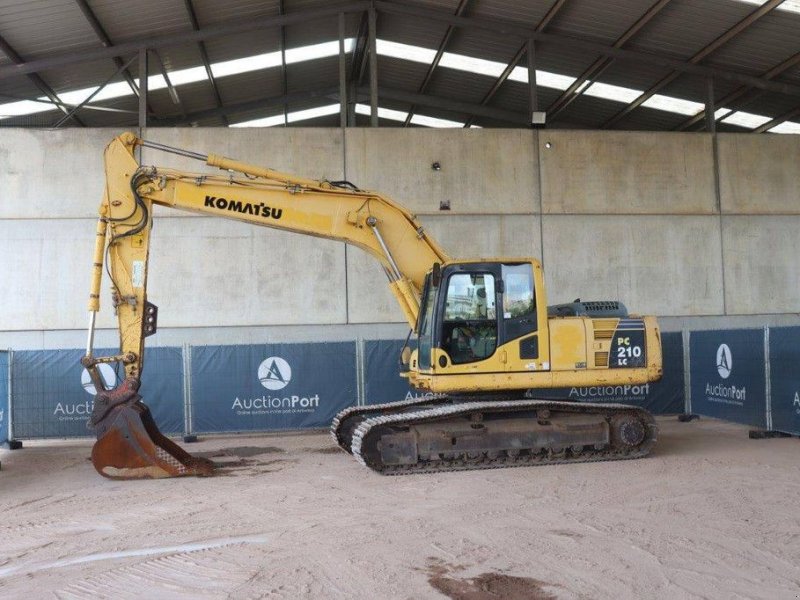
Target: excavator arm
<point>129,444</point>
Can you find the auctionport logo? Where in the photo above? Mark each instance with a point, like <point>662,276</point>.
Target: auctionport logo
<point>274,373</point>
<point>724,361</point>
<point>722,393</point>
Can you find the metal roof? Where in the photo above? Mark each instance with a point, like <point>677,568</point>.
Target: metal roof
<point>750,51</point>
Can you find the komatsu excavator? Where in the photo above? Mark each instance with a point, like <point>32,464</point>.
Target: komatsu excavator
<point>485,337</point>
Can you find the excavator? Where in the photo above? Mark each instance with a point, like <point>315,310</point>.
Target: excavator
<point>486,339</point>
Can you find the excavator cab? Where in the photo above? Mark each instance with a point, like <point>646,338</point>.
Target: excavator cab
<point>472,310</point>
<point>485,326</point>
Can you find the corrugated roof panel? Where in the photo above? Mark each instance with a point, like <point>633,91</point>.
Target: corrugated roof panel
<point>599,20</point>
<point>489,46</point>
<point>212,12</point>
<point>317,31</point>
<point>648,119</point>
<point>460,86</point>
<point>409,30</point>
<point>590,111</point>
<point>557,59</point>
<point>194,97</point>
<point>528,14</point>
<point>400,74</point>
<point>245,87</point>
<point>684,27</point>
<point>765,44</point>
<point>86,75</point>
<point>176,58</point>
<point>124,20</point>
<point>313,74</point>
<point>242,45</point>
<point>36,28</point>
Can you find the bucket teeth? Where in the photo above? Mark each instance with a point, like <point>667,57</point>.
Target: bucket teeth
<point>129,444</point>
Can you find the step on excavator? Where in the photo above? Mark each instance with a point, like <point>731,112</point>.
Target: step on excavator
<point>485,338</point>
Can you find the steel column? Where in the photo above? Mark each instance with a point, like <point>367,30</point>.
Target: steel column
<point>143,87</point>
<point>533,91</point>
<point>711,122</point>
<point>373,68</point>
<point>342,74</point>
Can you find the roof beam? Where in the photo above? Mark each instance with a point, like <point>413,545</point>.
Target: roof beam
<point>795,112</point>
<point>176,39</point>
<point>507,28</point>
<point>462,6</point>
<point>40,83</point>
<point>363,93</point>
<point>549,15</point>
<point>331,93</point>
<point>700,55</point>
<point>204,56</point>
<point>357,67</point>
<point>738,93</point>
<point>100,32</point>
<point>574,91</point>
<point>450,105</point>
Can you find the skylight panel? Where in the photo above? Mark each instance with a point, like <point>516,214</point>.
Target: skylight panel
<point>786,127</point>
<point>405,51</point>
<point>745,119</point>
<point>612,92</point>
<point>400,116</point>
<point>383,113</point>
<point>787,5</point>
<point>674,105</point>
<point>292,117</point>
<point>480,66</point>
<point>434,122</point>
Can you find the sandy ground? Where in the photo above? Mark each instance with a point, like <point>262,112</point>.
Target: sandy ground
<point>710,515</point>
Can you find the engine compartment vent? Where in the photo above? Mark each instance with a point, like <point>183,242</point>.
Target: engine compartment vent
<point>591,308</point>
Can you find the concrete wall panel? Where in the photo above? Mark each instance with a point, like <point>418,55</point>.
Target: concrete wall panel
<point>464,236</point>
<point>482,171</point>
<point>626,173</point>
<point>204,272</point>
<point>761,266</point>
<point>208,272</point>
<point>45,274</point>
<point>312,153</point>
<point>759,174</point>
<point>52,174</point>
<point>655,265</point>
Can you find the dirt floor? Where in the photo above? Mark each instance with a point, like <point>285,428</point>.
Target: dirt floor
<point>711,514</point>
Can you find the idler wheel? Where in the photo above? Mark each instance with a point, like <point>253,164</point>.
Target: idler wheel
<point>628,430</point>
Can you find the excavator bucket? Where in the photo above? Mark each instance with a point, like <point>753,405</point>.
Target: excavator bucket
<point>129,444</point>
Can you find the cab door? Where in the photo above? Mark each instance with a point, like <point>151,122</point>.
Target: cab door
<point>524,321</point>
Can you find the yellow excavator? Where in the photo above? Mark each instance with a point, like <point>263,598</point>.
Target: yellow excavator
<point>485,337</point>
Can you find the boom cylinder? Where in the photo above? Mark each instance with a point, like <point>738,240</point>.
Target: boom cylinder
<point>97,264</point>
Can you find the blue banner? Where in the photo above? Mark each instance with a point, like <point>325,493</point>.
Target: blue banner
<point>382,381</point>
<point>3,397</point>
<point>384,384</point>
<point>271,386</point>
<point>53,395</point>
<point>784,358</point>
<point>727,375</point>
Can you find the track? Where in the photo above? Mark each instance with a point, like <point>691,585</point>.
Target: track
<point>443,436</point>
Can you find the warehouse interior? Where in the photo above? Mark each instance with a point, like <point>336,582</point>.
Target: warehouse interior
<point>643,151</point>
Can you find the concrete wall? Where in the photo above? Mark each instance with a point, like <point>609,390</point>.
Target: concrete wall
<point>634,216</point>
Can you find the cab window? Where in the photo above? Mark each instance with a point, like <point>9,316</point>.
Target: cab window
<point>519,301</point>
<point>469,329</point>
